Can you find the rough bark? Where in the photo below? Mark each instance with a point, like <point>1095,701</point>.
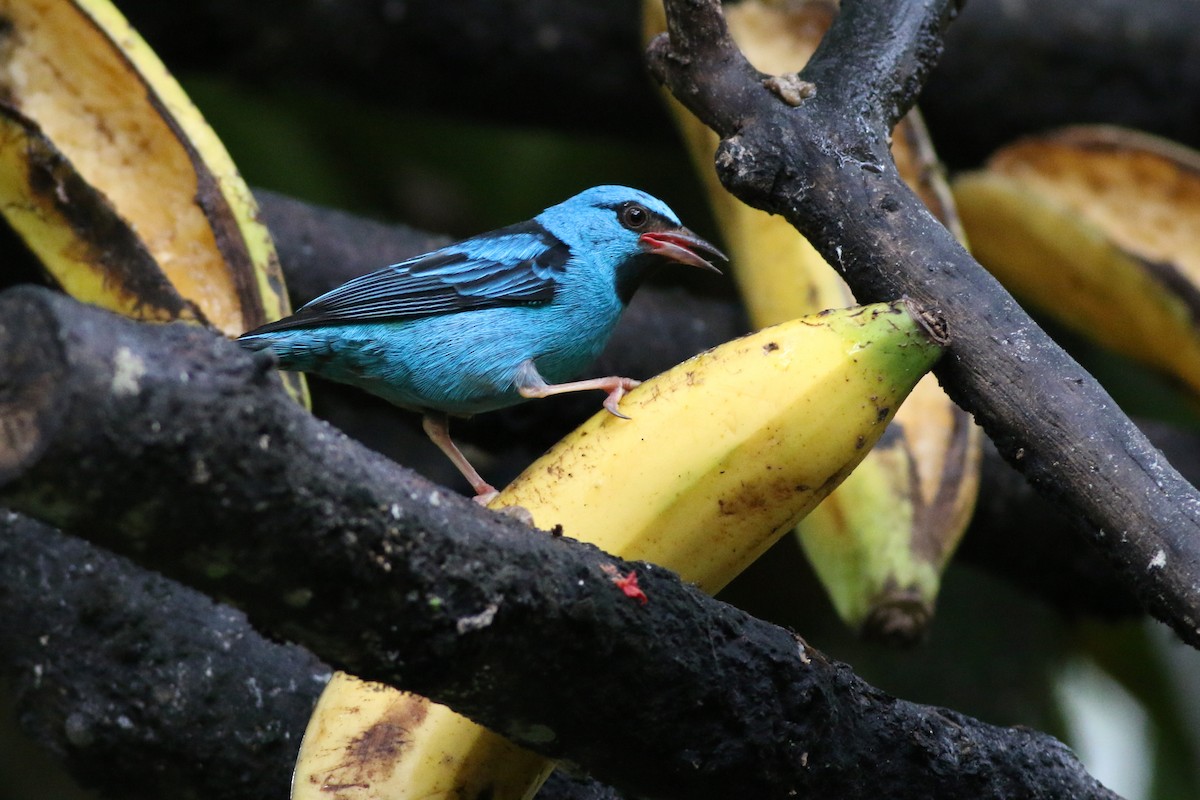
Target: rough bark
<point>170,444</point>
<point>141,687</point>
<point>116,659</point>
<point>826,167</point>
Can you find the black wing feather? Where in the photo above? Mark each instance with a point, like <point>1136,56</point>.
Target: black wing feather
<point>517,265</point>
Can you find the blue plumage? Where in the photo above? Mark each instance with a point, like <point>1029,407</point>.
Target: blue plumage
<point>492,320</point>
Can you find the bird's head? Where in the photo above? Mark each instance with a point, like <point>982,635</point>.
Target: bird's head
<point>629,231</point>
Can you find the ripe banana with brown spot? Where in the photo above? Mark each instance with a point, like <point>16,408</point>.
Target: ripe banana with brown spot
<point>720,457</point>
<point>880,542</point>
<point>113,179</point>
<point>1097,227</point>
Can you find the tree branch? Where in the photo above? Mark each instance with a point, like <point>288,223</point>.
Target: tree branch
<point>111,660</point>
<point>895,43</point>
<point>119,660</point>
<point>170,444</point>
<point>834,180</point>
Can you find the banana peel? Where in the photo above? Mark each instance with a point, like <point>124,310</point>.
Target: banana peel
<point>720,457</point>
<point>1096,226</point>
<point>880,550</point>
<point>879,543</point>
<point>368,741</point>
<point>114,181</point>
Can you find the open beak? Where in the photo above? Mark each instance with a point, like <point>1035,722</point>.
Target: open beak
<point>683,246</point>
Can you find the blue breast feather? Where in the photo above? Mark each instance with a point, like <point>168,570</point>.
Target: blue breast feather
<point>463,364</point>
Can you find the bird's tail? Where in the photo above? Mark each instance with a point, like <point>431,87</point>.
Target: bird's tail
<point>252,341</point>
<point>293,350</point>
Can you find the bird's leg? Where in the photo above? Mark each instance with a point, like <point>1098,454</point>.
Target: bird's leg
<point>437,428</point>
<point>530,383</point>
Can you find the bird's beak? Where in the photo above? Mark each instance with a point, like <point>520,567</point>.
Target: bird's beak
<point>683,246</point>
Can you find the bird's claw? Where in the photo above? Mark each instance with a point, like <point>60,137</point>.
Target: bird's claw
<point>612,409</point>
<point>614,397</point>
<point>487,495</point>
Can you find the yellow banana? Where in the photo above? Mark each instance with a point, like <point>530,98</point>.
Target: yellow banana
<point>1096,226</point>
<point>721,456</point>
<point>115,182</point>
<point>368,741</point>
<point>880,541</point>
<point>731,447</point>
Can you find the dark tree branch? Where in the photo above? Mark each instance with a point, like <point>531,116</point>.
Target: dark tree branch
<point>116,660</point>
<point>897,47</point>
<point>1024,538</point>
<point>96,593</point>
<point>836,183</point>
<point>172,445</point>
<point>77,697</point>
<point>110,660</point>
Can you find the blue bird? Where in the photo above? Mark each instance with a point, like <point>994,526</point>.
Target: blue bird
<point>492,320</point>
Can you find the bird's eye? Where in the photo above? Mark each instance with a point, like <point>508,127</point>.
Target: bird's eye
<point>634,216</point>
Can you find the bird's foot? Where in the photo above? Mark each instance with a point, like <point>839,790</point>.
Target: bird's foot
<point>531,384</point>
<point>616,392</point>
<point>485,494</point>
<point>437,428</point>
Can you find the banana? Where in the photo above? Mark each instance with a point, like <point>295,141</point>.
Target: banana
<point>881,547</point>
<point>113,179</point>
<point>720,457</point>
<point>368,741</point>
<point>1096,226</point>
<point>777,419</point>
<point>880,541</point>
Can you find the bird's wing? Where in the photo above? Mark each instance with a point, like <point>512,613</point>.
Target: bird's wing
<point>517,265</point>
